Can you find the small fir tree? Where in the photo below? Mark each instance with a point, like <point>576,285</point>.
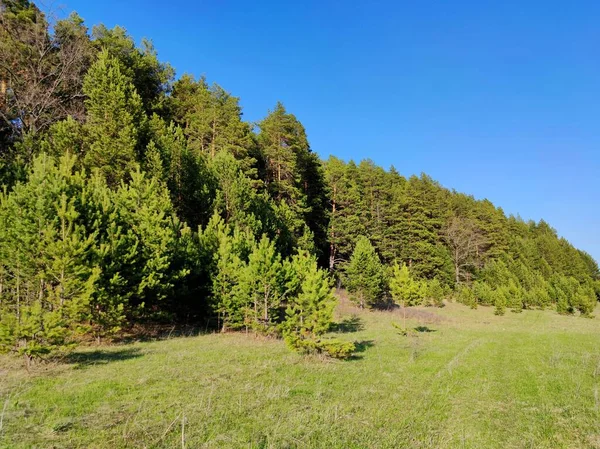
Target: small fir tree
<point>365,275</point>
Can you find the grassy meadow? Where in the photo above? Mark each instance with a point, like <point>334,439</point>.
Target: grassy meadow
<point>464,379</point>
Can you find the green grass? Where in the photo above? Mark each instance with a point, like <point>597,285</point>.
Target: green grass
<point>528,380</point>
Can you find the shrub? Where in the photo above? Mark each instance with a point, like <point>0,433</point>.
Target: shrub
<point>328,346</point>
<point>467,297</point>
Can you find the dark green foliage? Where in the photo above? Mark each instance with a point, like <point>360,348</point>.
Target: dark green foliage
<point>187,175</point>
<point>151,78</point>
<point>344,225</point>
<point>131,198</point>
<point>212,121</point>
<point>365,276</point>
<point>115,119</point>
<point>293,175</point>
<point>329,346</point>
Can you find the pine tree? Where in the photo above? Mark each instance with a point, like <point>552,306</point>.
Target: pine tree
<point>434,292</point>
<point>191,182</point>
<point>311,302</point>
<point>151,78</point>
<point>47,266</point>
<point>212,121</point>
<point>66,136</point>
<point>345,203</point>
<point>364,275</point>
<point>263,284</point>
<point>424,214</point>
<point>115,120</point>
<point>230,301</point>
<point>405,290</point>
<point>146,209</point>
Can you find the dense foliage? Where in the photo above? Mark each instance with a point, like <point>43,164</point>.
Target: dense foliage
<point>131,196</point>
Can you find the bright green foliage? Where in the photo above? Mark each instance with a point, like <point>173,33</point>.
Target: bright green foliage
<point>405,290</point>
<point>37,331</point>
<point>331,347</point>
<point>365,275</point>
<point>434,292</point>
<point>87,255</point>
<point>499,299</point>
<point>466,296</point>
<point>187,212</point>
<point>115,118</point>
<point>146,209</point>
<point>151,78</point>
<point>212,121</point>
<point>570,296</point>
<point>66,136</point>
<point>238,202</point>
<point>47,272</point>
<point>230,300</point>
<point>310,302</point>
<point>263,282</point>
<point>484,294</point>
<point>115,251</point>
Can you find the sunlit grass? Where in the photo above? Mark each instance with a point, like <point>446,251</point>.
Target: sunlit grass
<point>466,379</point>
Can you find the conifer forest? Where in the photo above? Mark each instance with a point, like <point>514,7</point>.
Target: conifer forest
<point>173,274</point>
<point>133,196</point>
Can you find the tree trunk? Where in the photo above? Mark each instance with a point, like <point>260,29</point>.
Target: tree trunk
<point>457,273</point>
<point>332,238</point>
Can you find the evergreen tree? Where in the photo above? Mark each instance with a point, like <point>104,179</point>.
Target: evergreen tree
<point>434,292</point>
<point>345,202</point>
<point>263,284</point>
<point>424,214</point>
<point>48,277</point>
<point>212,121</point>
<point>115,119</point>
<point>151,78</point>
<point>404,288</point>
<point>311,302</point>
<point>364,275</point>
<point>230,300</point>
<point>146,209</point>
<point>191,182</point>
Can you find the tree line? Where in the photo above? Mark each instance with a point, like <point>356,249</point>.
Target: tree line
<point>132,196</point>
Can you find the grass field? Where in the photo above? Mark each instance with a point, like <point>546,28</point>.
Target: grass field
<point>468,379</point>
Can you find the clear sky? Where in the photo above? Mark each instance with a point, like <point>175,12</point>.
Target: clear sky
<point>499,99</point>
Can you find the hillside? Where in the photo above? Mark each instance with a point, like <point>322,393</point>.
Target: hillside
<point>133,196</point>
<point>469,379</point>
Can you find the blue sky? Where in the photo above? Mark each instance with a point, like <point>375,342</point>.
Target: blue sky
<point>497,99</point>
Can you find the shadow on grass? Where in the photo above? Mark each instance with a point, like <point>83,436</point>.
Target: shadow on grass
<point>347,325</point>
<point>424,329</point>
<point>361,346</point>
<point>158,332</point>
<point>102,357</point>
